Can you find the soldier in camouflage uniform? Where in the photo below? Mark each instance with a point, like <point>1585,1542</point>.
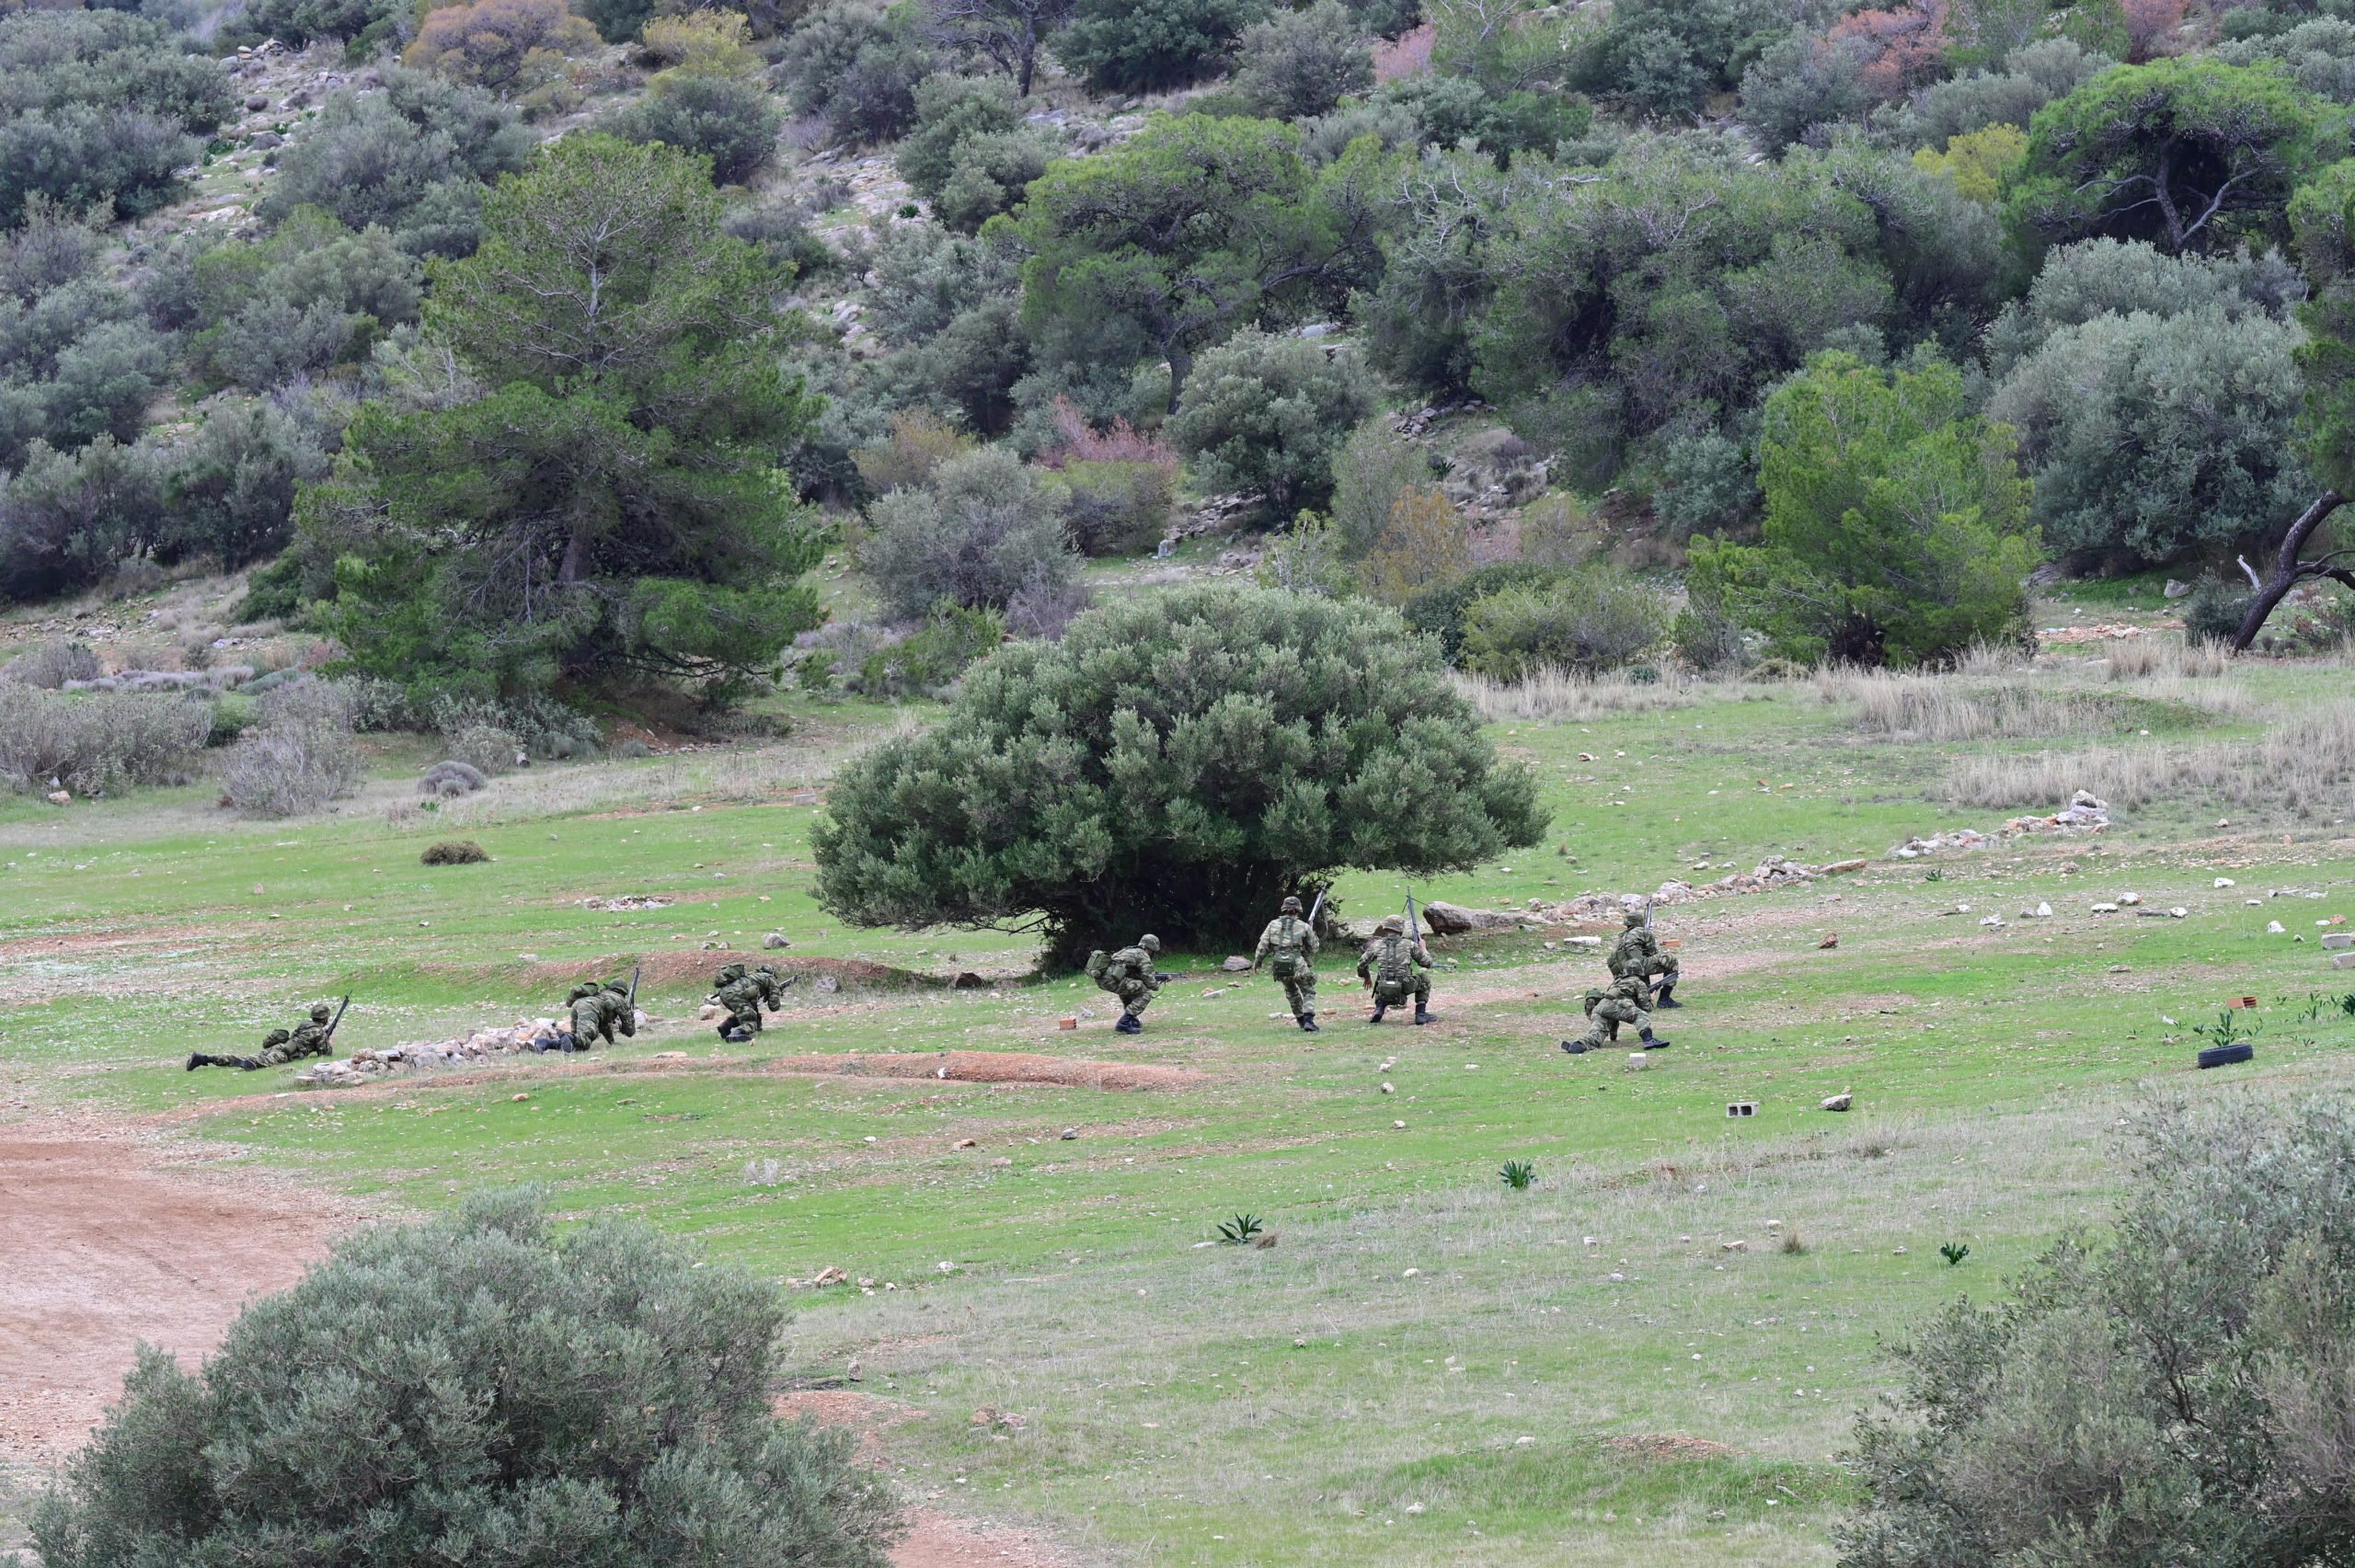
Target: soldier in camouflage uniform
<point>597,1008</point>
<point>1130,975</point>
<point>279,1046</point>
<point>743,993</point>
<point>1622,1001</point>
<point>1393,963</point>
<point>1286,947</point>
<point>1637,953</point>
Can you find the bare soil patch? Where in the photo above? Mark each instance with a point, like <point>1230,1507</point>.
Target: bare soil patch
<point>935,1539</point>
<point>1668,1445</point>
<point>107,1244</point>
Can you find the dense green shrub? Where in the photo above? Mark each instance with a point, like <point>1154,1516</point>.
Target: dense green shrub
<point>98,105</point>
<point>730,119</point>
<point>299,754</point>
<point>66,518</point>
<point>1440,611</point>
<point>1265,412</point>
<point>595,1397</point>
<point>300,21</point>
<point>1173,765</point>
<point>2082,282</point>
<point>1298,64</point>
<point>1592,619</point>
<point>1371,470</point>
<point>1147,45</point>
<point>988,174</point>
<point>2010,95</point>
<point>948,109</point>
<point>1896,528</point>
<point>1665,56</point>
<point>929,660</point>
<point>2171,1391</point>
<point>504,45</point>
<point>2215,611</point>
<point>406,158</point>
<point>981,530</point>
<point>1117,507</point>
<point>2154,438</point>
<point>230,493</point>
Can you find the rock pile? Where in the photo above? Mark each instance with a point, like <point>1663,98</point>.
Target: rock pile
<point>2085,813</point>
<point>525,1034</point>
<point>1775,871</point>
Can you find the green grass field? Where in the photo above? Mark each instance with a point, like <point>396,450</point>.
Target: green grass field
<point>1426,1367</point>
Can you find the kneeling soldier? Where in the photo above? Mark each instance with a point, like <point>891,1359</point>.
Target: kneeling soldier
<point>1620,1002</point>
<point>1393,963</point>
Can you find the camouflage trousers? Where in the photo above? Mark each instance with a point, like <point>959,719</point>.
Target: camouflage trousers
<point>1136,996</point>
<point>745,1018</point>
<point>1392,990</point>
<point>1663,965</point>
<point>1605,1014</point>
<point>1300,989</point>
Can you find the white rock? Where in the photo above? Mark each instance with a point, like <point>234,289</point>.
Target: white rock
<point>2130,899</point>
<point>2275,928</point>
<point>2226,882</point>
<point>2105,908</point>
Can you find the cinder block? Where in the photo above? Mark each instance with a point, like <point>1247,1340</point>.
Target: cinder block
<point>1742,1109</point>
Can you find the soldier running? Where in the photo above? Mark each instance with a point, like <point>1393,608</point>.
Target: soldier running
<point>1637,953</point>
<point>1622,1001</point>
<point>1131,976</point>
<point>1286,947</point>
<point>279,1046</point>
<point>1393,963</point>
<point>744,993</point>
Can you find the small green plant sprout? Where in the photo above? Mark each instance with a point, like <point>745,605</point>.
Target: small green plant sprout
<point>1517,1175</point>
<point>1239,1230</point>
<point>1936,875</point>
<point>1954,1253</point>
<point>2228,1029</point>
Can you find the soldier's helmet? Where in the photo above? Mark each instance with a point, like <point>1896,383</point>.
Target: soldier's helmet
<point>1635,919</point>
<point>731,973</point>
<point>1291,906</point>
<point>617,986</point>
<point>321,1014</point>
<point>1150,944</point>
<point>1392,925</point>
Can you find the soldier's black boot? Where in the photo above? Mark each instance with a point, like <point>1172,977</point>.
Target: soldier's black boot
<point>736,1036</point>
<point>197,1060</point>
<point>1379,1009</point>
<point>1129,1024</point>
<point>1308,1023</point>
<point>1423,1015</point>
<point>1576,1048</point>
<point>1651,1041</point>
<point>1667,995</point>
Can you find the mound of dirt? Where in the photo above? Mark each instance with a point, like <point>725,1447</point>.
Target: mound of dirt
<point>1668,1445</point>
<point>999,1067</point>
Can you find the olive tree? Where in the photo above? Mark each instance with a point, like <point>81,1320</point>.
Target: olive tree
<point>1173,765</point>
<point>473,1389</point>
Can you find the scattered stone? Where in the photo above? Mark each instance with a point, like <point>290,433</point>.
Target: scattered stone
<point>1830,939</point>
<point>1070,1133</point>
<point>1236,965</point>
<point>2275,928</point>
<point>2105,908</point>
<point>828,984</point>
<point>967,1143</point>
<point>2128,900</point>
<point>2226,882</point>
<point>1733,1246</point>
<point>2342,960</point>
<point>2176,589</point>
<point>1454,920</point>
<point>775,939</point>
<point>1411,1274</point>
<point>2339,939</point>
<point>828,1275</point>
<point>623,905</point>
<point>1840,1102</point>
<point>1389,1089</point>
<point>60,798</point>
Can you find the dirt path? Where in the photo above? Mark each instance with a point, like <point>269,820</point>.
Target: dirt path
<point>109,1239</point>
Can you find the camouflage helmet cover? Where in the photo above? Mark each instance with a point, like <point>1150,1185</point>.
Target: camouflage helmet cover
<point>1392,925</point>
<point>1635,918</point>
<point>1149,943</point>
<point>1291,906</point>
<point>321,1014</point>
<point>732,972</point>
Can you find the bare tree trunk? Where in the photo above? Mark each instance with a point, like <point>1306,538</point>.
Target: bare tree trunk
<point>2287,570</point>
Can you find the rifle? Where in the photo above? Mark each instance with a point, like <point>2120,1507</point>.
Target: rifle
<point>337,1019</point>
<point>1414,927</point>
<point>1316,905</point>
<point>632,999</point>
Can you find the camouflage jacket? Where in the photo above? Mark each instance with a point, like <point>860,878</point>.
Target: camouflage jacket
<point>1635,949</point>
<point>309,1039</point>
<point>1287,937</point>
<point>1392,957</point>
<point>1132,963</point>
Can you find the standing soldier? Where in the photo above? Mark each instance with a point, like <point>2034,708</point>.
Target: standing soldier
<point>1622,1001</point>
<point>1131,976</point>
<point>279,1046</point>
<point>1286,947</point>
<point>743,993</point>
<point>1393,963</point>
<point>1637,953</point>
